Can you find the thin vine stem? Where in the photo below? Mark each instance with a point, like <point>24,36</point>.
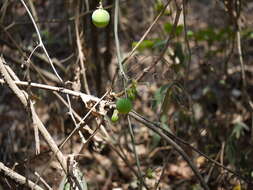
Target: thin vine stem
<point>135,152</point>
<point>117,43</point>
<point>41,44</point>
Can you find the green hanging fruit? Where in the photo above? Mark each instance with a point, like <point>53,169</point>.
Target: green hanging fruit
<point>124,105</point>
<point>115,116</point>
<point>100,18</point>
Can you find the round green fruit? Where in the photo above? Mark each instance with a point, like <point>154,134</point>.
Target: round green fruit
<point>100,18</point>
<point>124,105</point>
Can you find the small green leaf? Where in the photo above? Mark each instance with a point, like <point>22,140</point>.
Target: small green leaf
<point>159,6</point>
<point>239,129</point>
<point>159,43</point>
<point>190,33</point>
<point>169,27</point>
<point>145,44</point>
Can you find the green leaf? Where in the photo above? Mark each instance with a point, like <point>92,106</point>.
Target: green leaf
<point>145,44</point>
<point>239,129</point>
<point>168,27</point>
<point>190,33</point>
<point>159,43</point>
<point>159,6</point>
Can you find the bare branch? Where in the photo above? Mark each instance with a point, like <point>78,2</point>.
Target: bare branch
<point>18,178</point>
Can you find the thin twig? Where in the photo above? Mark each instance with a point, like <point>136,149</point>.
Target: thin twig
<point>56,89</point>
<point>81,56</point>
<point>135,152</point>
<point>43,181</point>
<point>18,178</point>
<point>40,40</point>
<point>116,22</point>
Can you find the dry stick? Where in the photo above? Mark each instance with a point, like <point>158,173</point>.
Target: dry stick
<point>90,131</point>
<point>22,97</point>
<point>85,97</point>
<point>18,178</point>
<point>36,131</point>
<point>43,181</point>
<point>160,57</point>
<point>172,143</point>
<point>81,56</point>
